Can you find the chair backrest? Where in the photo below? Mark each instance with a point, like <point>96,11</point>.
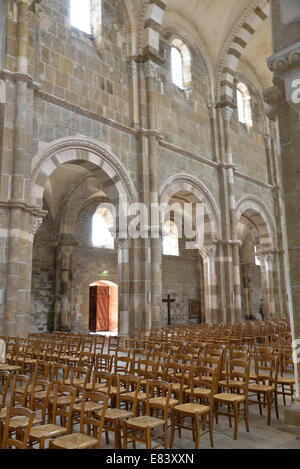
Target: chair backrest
<point>39,396</point>
<point>122,364</point>
<point>156,388</point>
<point>266,367</point>
<point>21,381</point>
<point>101,377</point>
<point>63,401</point>
<point>86,359</point>
<point>86,418</point>
<point>129,383</point>
<point>58,373</point>
<point>146,369</point>
<point>5,377</point>
<point>113,343</point>
<point>15,412</point>
<point>238,370</point>
<point>104,362</point>
<point>81,373</point>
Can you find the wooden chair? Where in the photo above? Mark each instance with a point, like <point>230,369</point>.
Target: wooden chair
<point>235,393</point>
<point>104,362</point>
<point>286,384</point>
<point>115,416</point>
<point>113,344</point>
<point>39,397</point>
<point>195,411</point>
<point>122,365</point>
<point>62,407</point>
<point>82,440</point>
<point>266,370</point>
<point>15,418</point>
<point>139,429</point>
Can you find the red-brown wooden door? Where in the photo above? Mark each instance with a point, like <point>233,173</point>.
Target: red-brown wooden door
<point>99,309</point>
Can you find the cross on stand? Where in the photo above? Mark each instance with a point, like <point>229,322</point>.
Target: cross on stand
<point>169,301</point>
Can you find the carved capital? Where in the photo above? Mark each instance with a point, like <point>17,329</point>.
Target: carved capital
<point>35,224</point>
<point>274,97</point>
<point>285,59</point>
<point>209,251</point>
<point>150,69</point>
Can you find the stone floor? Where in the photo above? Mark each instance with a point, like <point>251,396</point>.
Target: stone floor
<point>261,436</point>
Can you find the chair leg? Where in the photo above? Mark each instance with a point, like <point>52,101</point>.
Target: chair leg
<point>211,425</point>
<point>197,428</point>
<point>148,438</point>
<point>125,435</point>
<point>276,404</point>
<point>247,416</point>
<point>236,420</point>
<point>269,403</point>
<point>173,417</point>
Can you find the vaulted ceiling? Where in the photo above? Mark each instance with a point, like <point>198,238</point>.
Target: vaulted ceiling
<point>214,21</point>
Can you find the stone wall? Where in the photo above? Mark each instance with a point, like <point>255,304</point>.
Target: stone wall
<point>183,281</point>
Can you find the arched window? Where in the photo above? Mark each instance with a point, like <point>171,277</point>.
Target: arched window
<point>101,225</point>
<point>170,239</point>
<point>244,104</point>
<point>257,260</point>
<point>181,64</point>
<point>80,15</point>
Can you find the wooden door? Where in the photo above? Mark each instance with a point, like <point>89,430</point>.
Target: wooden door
<point>99,309</point>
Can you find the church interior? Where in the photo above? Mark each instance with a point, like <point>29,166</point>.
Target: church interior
<point>150,224</point>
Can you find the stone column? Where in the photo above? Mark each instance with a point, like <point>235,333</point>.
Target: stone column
<point>150,70</point>
<point>66,266</point>
<point>208,254</point>
<point>17,234</point>
<point>230,242</point>
<point>267,267</point>
<point>124,277</point>
<point>284,108</point>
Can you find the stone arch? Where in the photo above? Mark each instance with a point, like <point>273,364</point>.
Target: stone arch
<point>252,212</point>
<point>187,183</point>
<point>260,216</point>
<point>238,40</point>
<point>191,184</point>
<point>88,152</point>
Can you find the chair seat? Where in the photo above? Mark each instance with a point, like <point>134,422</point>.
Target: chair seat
<point>130,396</point>
<point>30,361</point>
<point>191,408</point>
<point>75,381</point>
<point>89,386</point>
<point>145,421</point>
<point>162,401</point>
<point>199,392</point>
<point>114,414</point>
<point>21,422</point>
<point>176,386</point>
<point>90,406</point>
<point>43,394</point>
<point>113,390</point>
<point>283,380</point>
<point>7,367</point>
<point>229,397</point>
<point>232,383</point>
<point>261,388</point>
<point>61,400</point>
<point>75,441</point>
<point>47,431</point>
